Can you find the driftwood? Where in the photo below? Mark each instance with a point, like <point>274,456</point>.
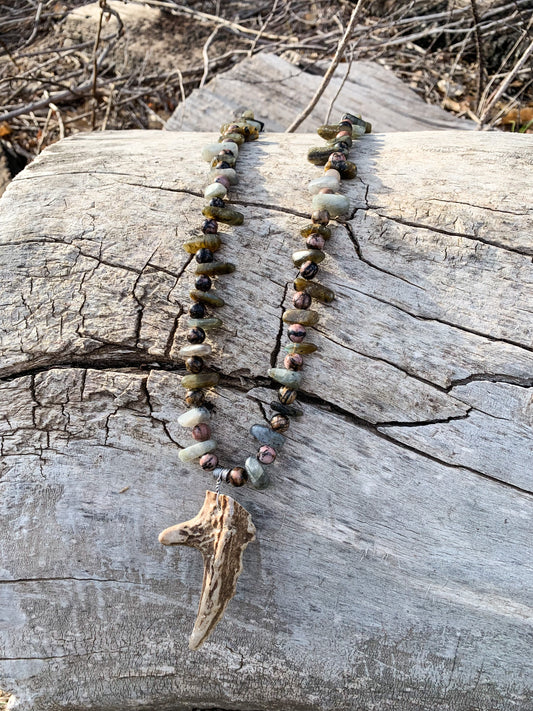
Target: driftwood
<point>392,566</point>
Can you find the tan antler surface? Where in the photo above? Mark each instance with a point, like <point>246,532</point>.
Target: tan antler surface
<point>221,531</point>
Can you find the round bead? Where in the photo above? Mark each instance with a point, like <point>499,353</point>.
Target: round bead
<point>194,364</point>
<point>196,335</point>
<point>315,241</point>
<point>201,432</point>
<point>194,398</point>
<point>223,181</point>
<point>293,361</point>
<point>287,396</point>
<point>197,310</point>
<point>301,300</point>
<point>296,333</point>
<point>325,191</point>
<point>237,476</point>
<point>204,255</point>
<point>309,270</point>
<point>320,217</point>
<point>203,283</point>
<point>210,227</point>
<point>280,423</point>
<point>208,461</point>
<point>222,164</point>
<point>217,202</point>
<point>266,454</point>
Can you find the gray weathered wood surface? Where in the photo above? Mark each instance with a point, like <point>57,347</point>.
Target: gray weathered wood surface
<point>392,567</point>
<point>279,90</point>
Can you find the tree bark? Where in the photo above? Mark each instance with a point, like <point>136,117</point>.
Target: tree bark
<point>392,565</point>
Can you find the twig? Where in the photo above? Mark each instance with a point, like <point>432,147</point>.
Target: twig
<point>35,25</point>
<point>108,108</point>
<point>334,99</point>
<point>263,28</point>
<point>479,53</point>
<point>182,88</point>
<point>102,4</point>
<point>327,76</point>
<point>206,56</point>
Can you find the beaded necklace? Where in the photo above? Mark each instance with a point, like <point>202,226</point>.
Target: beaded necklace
<point>223,528</point>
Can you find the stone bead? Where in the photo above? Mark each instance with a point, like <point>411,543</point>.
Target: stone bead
<point>232,138</point>
<point>358,121</point>
<point>194,364</point>
<point>293,361</point>
<point>196,335</point>
<point>266,454</point>
<point>316,291</point>
<point>322,230</point>
<point>194,417</point>
<point>228,159</point>
<point>344,137</point>
<point>335,204</point>
<point>280,423</point>
<point>238,476</point>
<point>208,462</point>
<point>197,310</point>
<point>301,300</point>
<point>306,317</point>
<point>209,299</point>
<point>324,182</point>
<point>213,149</point>
<point>224,214</point>
<point>320,217</point>
<point>203,349</point>
<point>319,155</point>
<point>303,255</point>
<point>287,395</point>
<point>259,125</point>
<point>329,131</point>
<point>223,181</point>
<point>206,241</point>
<point>197,450</point>
<point>203,256</point>
<point>291,410</point>
<point>315,241</point>
<point>265,435</point>
<point>291,378</point>
<point>214,268</point>
<point>215,190</point>
<point>203,283</point>
<point>243,128</point>
<point>202,380</point>
<point>201,432</point>
<point>205,323</point>
<point>296,333</point>
<point>346,168</point>
<point>194,398</point>
<point>210,227</point>
<point>256,474</point>
<point>309,270</point>
<point>302,348</point>
<point>228,173</point>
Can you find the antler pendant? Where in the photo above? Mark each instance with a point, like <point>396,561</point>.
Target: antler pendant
<point>221,531</point>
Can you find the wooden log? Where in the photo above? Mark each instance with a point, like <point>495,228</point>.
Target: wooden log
<point>392,566</point>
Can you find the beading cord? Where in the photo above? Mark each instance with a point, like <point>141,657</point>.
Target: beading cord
<point>328,203</point>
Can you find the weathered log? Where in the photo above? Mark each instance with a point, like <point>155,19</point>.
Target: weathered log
<point>392,564</point>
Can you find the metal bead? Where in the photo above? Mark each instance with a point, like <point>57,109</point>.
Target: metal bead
<point>222,473</point>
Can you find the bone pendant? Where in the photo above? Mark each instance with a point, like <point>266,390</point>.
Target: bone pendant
<point>221,532</point>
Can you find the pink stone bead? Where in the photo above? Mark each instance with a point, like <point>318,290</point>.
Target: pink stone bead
<point>201,432</point>
<point>266,454</point>
<point>208,461</point>
<point>315,241</point>
<point>296,333</point>
<point>223,181</point>
<point>340,134</point>
<point>301,300</point>
<point>325,191</point>
<point>293,361</point>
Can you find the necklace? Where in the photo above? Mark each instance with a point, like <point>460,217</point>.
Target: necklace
<point>223,528</point>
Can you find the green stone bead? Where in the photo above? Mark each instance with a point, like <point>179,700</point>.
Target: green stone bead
<point>235,137</point>
<point>256,474</point>
<point>289,378</point>
<point>306,317</point>
<point>206,297</point>
<point>320,155</point>
<point>214,268</point>
<point>322,230</point>
<point>201,380</point>
<point>223,214</point>
<point>315,290</point>
<point>230,160</point>
<point>205,323</point>
<point>242,128</point>
<point>308,255</point>
<point>302,348</point>
<point>197,450</point>
<point>211,242</point>
<point>329,131</point>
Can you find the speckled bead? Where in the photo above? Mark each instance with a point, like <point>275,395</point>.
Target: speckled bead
<point>266,435</point>
<point>290,410</point>
<point>196,335</point>
<point>280,423</point>
<point>201,432</point>
<point>237,476</point>
<point>304,255</point>
<point>202,349</point>
<point>194,398</point>
<point>250,133</point>
<point>256,474</point>
<point>301,300</point>
<point>302,348</point>
<point>228,173</point>
<point>197,310</point>
<point>203,283</point>
<point>210,227</point>
<point>287,395</point>
<point>224,214</point>
<point>335,204</point>
<point>232,137</point>
<point>316,291</point>
<point>309,270</point>
<point>208,461</point>
<point>204,255</point>
<point>206,241</point>
<point>227,159</point>
<point>320,217</point>
<point>194,364</point>
<point>197,450</point>
<point>290,378</point>
<point>215,268</point>
<point>296,333</point>
<point>313,228</point>
<point>205,323</point>
<point>346,168</point>
<point>315,241</point>
<point>194,417</point>
<point>266,454</point>
<point>307,317</point>
<point>293,361</point>
<point>202,380</point>
<point>206,298</point>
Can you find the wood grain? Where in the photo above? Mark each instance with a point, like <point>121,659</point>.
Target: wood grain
<point>392,566</point>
